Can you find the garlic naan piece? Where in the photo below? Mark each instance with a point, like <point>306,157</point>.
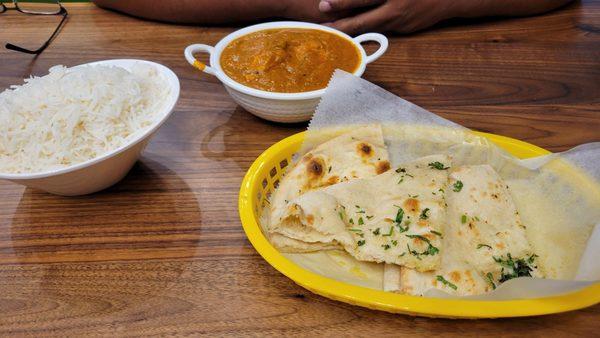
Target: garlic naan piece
<point>483,236</point>
<point>360,153</point>
<point>391,218</point>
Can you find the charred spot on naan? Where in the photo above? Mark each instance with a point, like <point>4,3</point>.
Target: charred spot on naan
<point>411,204</point>
<point>382,166</point>
<point>315,171</point>
<point>422,223</point>
<point>314,168</point>
<point>331,180</point>
<point>469,278</point>
<point>418,241</point>
<point>473,228</point>
<point>455,276</point>
<point>365,150</point>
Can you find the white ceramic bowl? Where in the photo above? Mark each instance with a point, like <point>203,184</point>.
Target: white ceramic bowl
<point>278,107</point>
<point>103,171</point>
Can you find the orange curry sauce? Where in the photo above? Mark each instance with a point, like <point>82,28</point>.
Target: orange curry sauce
<point>288,60</point>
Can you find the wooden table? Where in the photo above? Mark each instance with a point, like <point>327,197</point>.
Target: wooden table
<point>163,251</point>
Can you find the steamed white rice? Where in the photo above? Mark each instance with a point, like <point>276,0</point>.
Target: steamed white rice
<point>72,115</point>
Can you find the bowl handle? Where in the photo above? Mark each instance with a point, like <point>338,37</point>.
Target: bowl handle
<point>379,38</point>
<point>189,56</point>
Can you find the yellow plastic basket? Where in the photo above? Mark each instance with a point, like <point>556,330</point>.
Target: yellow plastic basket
<point>263,176</point>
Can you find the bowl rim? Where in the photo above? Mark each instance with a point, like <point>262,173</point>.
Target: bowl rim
<point>215,59</point>
<point>167,110</point>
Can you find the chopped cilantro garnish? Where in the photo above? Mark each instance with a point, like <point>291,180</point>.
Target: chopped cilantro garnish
<point>532,258</point>
<point>463,219</point>
<point>438,165</point>
<point>351,221</point>
<point>390,232</point>
<point>413,252</point>
<point>436,233</point>
<point>513,268</point>
<point>385,246</point>
<point>369,217</point>
<point>341,215</point>
<point>490,279</point>
<point>403,229</point>
<point>479,246</point>
<point>399,215</point>
<point>394,242</point>
<point>404,253</point>
<point>424,239</point>
<point>356,230</point>
<point>360,221</point>
<point>403,174</point>
<point>424,214</point>
<point>458,185</point>
<point>431,250</point>
<point>376,231</point>
<point>443,280</point>
<point>361,242</point>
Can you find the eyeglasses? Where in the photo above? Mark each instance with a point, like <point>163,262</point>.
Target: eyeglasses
<point>36,8</point>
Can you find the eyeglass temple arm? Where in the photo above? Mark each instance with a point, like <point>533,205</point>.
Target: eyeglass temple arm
<point>10,46</point>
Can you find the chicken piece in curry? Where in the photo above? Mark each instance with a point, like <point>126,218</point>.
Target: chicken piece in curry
<point>288,60</point>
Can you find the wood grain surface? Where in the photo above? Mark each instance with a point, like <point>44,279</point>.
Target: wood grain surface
<point>163,252</point>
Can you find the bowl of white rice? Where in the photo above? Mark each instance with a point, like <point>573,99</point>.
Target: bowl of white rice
<point>79,130</point>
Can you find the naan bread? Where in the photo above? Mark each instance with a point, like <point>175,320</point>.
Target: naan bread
<point>391,218</point>
<point>290,245</point>
<point>482,230</point>
<point>360,153</point>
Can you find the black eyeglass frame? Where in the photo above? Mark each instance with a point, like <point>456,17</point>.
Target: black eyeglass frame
<point>61,11</point>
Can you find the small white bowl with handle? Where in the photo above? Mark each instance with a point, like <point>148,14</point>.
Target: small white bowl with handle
<point>273,106</point>
<point>105,170</point>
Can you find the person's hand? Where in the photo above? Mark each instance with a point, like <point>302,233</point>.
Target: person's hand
<point>401,16</point>
<point>308,10</point>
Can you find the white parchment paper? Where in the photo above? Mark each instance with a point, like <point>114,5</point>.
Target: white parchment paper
<point>557,195</point>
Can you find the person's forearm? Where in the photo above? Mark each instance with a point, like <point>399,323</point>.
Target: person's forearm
<point>197,11</point>
<point>482,8</point>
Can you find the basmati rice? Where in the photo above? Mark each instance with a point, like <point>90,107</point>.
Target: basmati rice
<point>73,115</point>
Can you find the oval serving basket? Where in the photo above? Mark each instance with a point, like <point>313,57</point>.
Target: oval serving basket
<point>269,167</point>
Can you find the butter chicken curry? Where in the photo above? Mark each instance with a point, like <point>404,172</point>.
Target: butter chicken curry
<point>288,60</point>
